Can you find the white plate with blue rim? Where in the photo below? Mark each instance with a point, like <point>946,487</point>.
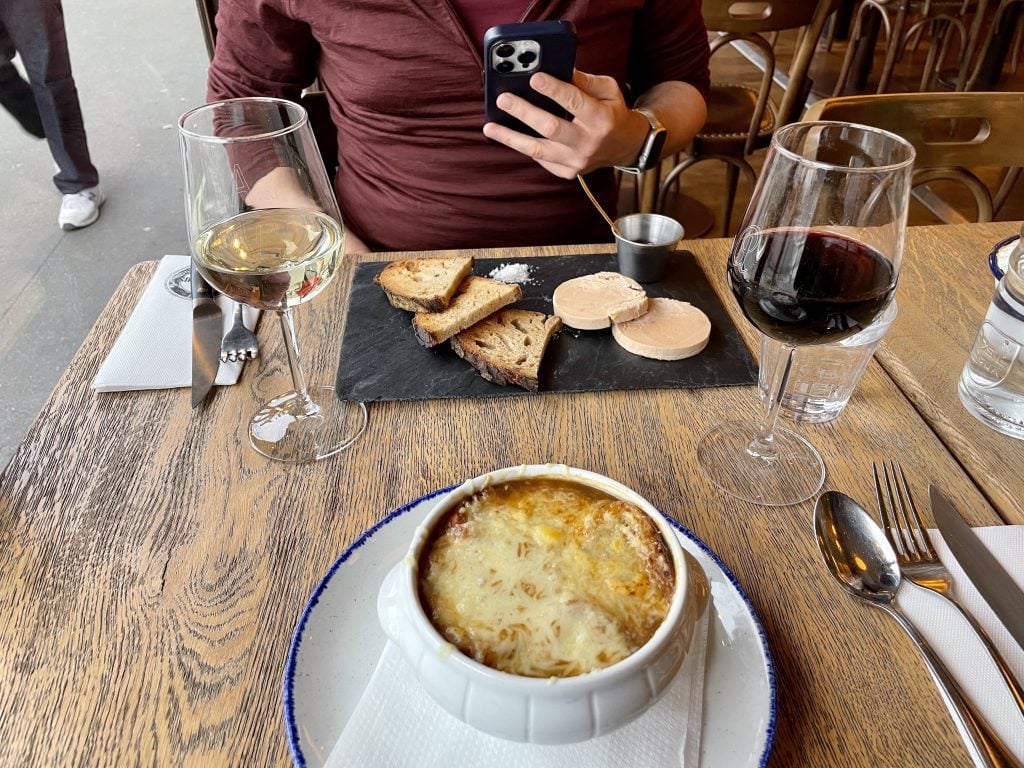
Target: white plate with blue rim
<point>999,256</point>
<point>338,641</point>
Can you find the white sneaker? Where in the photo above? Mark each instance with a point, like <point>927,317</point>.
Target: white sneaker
<point>80,209</point>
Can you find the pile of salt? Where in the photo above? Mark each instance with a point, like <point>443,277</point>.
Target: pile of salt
<point>511,273</point>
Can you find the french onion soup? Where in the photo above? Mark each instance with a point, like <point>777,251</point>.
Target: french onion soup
<point>546,578</point>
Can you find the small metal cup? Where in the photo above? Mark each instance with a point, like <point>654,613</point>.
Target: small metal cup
<point>644,243</point>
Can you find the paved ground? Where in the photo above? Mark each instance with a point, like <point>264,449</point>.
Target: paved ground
<point>138,66</point>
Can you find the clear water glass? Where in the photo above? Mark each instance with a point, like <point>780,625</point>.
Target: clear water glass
<point>824,376</point>
<point>992,383</point>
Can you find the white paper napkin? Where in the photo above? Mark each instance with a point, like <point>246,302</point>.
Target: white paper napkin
<point>397,725</point>
<point>154,351</point>
<point>957,645</point>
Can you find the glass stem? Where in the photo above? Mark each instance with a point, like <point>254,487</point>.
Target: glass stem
<point>304,405</point>
<point>763,445</point>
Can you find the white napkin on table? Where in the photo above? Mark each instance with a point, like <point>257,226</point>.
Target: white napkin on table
<point>957,645</point>
<point>397,725</point>
<point>154,351</point>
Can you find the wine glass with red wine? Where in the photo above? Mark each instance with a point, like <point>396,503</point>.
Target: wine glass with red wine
<point>817,259</point>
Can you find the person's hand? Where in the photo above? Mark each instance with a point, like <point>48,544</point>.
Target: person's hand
<point>603,130</point>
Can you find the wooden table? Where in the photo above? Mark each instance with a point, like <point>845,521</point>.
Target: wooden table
<point>945,292</point>
<point>153,566</point>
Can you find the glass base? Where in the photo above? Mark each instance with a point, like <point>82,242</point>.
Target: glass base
<point>794,474</point>
<point>285,430</point>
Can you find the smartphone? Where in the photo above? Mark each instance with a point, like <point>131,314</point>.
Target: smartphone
<point>514,52</point>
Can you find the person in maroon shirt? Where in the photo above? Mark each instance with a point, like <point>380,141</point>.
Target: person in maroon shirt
<point>404,80</point>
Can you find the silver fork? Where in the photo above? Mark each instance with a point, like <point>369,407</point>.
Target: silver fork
<point>239,343</point>
<point>917,557</point>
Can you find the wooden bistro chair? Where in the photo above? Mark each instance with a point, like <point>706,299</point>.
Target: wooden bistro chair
<point>903,23</point>
<point>951,133</point>
<point>313,100</point>
<point>741,118</point>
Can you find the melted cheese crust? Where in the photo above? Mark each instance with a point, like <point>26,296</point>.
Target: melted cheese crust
<point>546,578</point>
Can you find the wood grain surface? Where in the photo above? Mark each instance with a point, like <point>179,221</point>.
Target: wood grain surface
<point>153,566</point>
<point>945,291</point>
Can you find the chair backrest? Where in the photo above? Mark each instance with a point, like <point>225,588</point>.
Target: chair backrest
<point>950,132</point>
<point>744,17</point>
<point>745,23</point>
<point>314,101</point>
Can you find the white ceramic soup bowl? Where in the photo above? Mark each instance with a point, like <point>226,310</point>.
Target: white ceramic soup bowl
<point>530,709</point>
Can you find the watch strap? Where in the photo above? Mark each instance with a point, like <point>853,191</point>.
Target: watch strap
<point>650,150</point>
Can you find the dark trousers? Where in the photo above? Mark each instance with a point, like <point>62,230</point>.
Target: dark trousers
<point>35,29</point>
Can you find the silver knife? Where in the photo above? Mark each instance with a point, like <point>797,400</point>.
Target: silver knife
<point>993,583</point>
<point>207,329</point>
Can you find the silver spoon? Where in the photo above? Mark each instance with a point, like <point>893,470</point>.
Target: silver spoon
<point>860,558</point>
<point>604,214</point>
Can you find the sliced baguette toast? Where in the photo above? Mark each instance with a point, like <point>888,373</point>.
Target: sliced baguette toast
<point>508,346</point>
<point>423,285</point>
<point>477,297</point>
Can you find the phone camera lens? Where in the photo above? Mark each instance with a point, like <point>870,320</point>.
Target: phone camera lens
<point>504,66</point>
<point>505,50</point>
<point>527,57</point>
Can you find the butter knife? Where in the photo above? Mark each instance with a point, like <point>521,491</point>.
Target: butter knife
<point>207,328</point>
<point>993,583</point>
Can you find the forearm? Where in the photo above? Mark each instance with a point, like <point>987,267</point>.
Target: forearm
<point>680,108</point>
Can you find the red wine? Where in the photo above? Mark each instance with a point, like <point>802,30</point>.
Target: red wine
<point>806,286</point>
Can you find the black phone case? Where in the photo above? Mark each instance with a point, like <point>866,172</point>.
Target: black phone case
<point>557,41</point>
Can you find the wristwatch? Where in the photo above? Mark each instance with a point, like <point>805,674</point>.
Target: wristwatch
<point>650,150</point>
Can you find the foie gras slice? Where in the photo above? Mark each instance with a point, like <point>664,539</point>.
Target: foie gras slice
<point>592,302</point>
<point>670,330</point>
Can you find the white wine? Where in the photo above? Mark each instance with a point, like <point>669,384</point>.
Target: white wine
<point>271,259</point>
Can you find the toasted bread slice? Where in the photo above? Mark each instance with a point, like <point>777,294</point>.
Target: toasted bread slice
<point>476,299</point>
<point>507,347</point>
<point>423,285</point>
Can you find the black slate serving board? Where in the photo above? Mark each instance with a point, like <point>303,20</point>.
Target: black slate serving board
<point>381,359</point>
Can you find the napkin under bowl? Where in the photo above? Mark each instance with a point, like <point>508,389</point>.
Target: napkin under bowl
<point>154,350</point>
<point>530,709</point>
<point>396,724</point>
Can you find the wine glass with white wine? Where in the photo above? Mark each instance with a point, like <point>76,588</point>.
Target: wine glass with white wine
<point>266,231</point>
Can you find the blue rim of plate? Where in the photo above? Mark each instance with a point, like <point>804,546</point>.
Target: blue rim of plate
<point>993,256</point>
<point>288,692</point>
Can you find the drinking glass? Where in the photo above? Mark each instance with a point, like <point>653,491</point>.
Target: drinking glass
<point>817,259</point>
<point>265,231</point>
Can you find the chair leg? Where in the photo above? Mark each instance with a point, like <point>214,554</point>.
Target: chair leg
<point>734,162</point>
<point>972,43</point>
<point>732,177</point>
<point>895,38</point>
<point>830,35</point>
<point>670,179</point>
<point>853,42</point>
<point>649,182</point>
<point>1010,179</point>
<point>1015,60</point>
<point>930,68</point>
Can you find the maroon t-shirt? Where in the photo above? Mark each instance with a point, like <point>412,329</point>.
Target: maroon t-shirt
<point>481,15</point>
<point>404,80</point>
